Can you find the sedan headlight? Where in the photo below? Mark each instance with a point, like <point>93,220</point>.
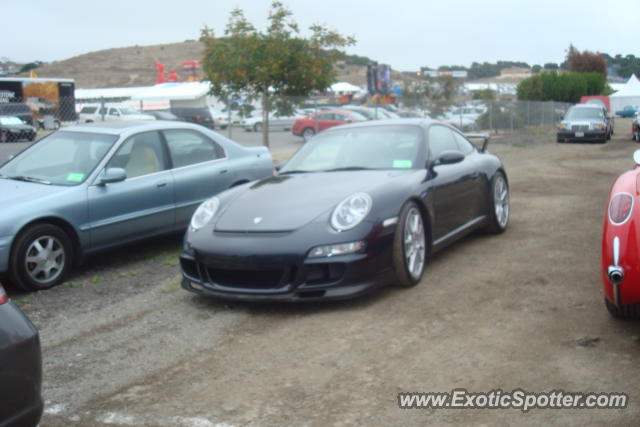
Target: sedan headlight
<point>204,213</point>
<point>351,211</point>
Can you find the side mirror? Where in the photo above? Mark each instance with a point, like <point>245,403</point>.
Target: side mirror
<point>111,175</point>
<point>449,157</point>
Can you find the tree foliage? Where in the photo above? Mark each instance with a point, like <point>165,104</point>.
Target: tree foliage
<point>586,61</point>
<point>562,87</point>
<point>275,65</point>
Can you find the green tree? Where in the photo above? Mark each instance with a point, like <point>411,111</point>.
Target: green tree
<point>273,65</point>
<point>563,87</point>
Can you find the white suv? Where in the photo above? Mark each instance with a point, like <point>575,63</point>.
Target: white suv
<point>95,113</point>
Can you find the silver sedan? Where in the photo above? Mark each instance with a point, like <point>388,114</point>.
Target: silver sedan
<point>95,186</point>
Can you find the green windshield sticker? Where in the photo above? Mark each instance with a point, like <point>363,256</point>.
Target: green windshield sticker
<point>404,164</point>
<point>75,177</point>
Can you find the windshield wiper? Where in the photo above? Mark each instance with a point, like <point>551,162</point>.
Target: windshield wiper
<point>28,179</point>
<point>349,168</point>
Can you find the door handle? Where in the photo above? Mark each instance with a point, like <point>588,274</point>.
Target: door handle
<point>161,184</point>
<point>223,171</point>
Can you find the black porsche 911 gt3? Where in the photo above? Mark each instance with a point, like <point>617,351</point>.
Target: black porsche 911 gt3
<point>357,207</point>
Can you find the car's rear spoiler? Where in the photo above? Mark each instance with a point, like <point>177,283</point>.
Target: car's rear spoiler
<point>485,137</point>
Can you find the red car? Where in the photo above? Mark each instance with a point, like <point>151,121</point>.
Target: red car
<point>306,126</point>
<point>621,245</point>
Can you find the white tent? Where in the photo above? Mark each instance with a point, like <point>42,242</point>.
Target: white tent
<point>627,95</point>
<point>342,88</point>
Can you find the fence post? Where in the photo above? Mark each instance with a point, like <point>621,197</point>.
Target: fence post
<point>490,117</point>
<point>102,109</point>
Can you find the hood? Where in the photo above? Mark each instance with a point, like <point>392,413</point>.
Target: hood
<point>288,202</point>
<point>18,127</point>
<point>15,193</point>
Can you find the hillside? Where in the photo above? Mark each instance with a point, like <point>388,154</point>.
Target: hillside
<point>135,66</point>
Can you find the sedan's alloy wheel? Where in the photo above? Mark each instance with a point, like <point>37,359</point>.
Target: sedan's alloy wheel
<point>414,243</point>
<point>45,259</point>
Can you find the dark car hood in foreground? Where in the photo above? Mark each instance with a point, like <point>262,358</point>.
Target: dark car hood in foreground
<point>288,202</point>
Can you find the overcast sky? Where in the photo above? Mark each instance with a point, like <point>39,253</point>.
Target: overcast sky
<point>406,34</point>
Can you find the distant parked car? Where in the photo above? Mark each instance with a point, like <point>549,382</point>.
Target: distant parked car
<point>204,116</point>
<point>409,114</point>
<point>12,129</point>
<point>17,109</point>
<point>635,128</point>
<point>110,112</point>
<point>627,111</point>
<point>20,367</point>
<point>93,186</point>
<point>585,122</point>
<point>164,115</point>
<point>276,122</point>
<point>307,126</point>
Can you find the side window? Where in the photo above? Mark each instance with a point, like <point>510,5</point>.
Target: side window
<point>464,146</point>
<point>113,112</point>
<point>141,154</point>
<point>188,147</point>
<point>325,116</point>
<point>440,140</point>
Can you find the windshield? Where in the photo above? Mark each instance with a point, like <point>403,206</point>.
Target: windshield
<point>584,113</point>
<point>10,121</point>
<point>375,147</point>
<point>62,158</point>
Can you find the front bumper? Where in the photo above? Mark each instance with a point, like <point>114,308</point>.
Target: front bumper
<point>261,268</point>
<point>589,135</point>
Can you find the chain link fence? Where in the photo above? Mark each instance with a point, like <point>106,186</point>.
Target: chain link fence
<point>501,116</point>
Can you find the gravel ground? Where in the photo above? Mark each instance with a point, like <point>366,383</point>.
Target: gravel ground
<point>124,345</point>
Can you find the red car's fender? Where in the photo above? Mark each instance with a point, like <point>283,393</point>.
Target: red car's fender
<point>620,238</point>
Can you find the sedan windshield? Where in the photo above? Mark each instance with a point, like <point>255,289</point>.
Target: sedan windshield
<point>9,120</point>
<point>62,158</point>
<point>374,147</point>
<point>584,113</point>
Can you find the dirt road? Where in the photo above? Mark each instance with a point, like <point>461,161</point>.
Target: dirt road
<point>123,345</point>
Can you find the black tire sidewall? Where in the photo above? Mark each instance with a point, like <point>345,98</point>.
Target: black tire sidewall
<point>17,270</point>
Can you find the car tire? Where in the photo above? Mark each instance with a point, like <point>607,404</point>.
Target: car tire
<point>3,137</point>
<point>619,313</point>
<point>559,140</point>
<point>499,204</point>
<point>308,133</point>
<point>410,248</point>
<point>32,138</point>
<point>257,127</point>
<point>36,242</point>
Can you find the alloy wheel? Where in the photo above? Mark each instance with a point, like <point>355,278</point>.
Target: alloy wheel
<point>414,243</point>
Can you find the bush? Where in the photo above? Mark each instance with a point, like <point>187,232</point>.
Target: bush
<point>562,87</point>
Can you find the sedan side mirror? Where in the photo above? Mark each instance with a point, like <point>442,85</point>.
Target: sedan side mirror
<point>111,175</point>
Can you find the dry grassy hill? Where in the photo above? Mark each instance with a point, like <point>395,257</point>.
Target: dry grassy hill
<point>135,66</point>
<point>123,67</point>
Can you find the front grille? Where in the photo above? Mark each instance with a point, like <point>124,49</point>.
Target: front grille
<point>580,128</point>
<point>254,279</point>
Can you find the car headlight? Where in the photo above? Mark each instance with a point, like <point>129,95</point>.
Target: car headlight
<point>204,213</point>
<point>351,211</point>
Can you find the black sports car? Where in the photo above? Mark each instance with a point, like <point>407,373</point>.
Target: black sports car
<point>357,207</point>
<point>14,129</point>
